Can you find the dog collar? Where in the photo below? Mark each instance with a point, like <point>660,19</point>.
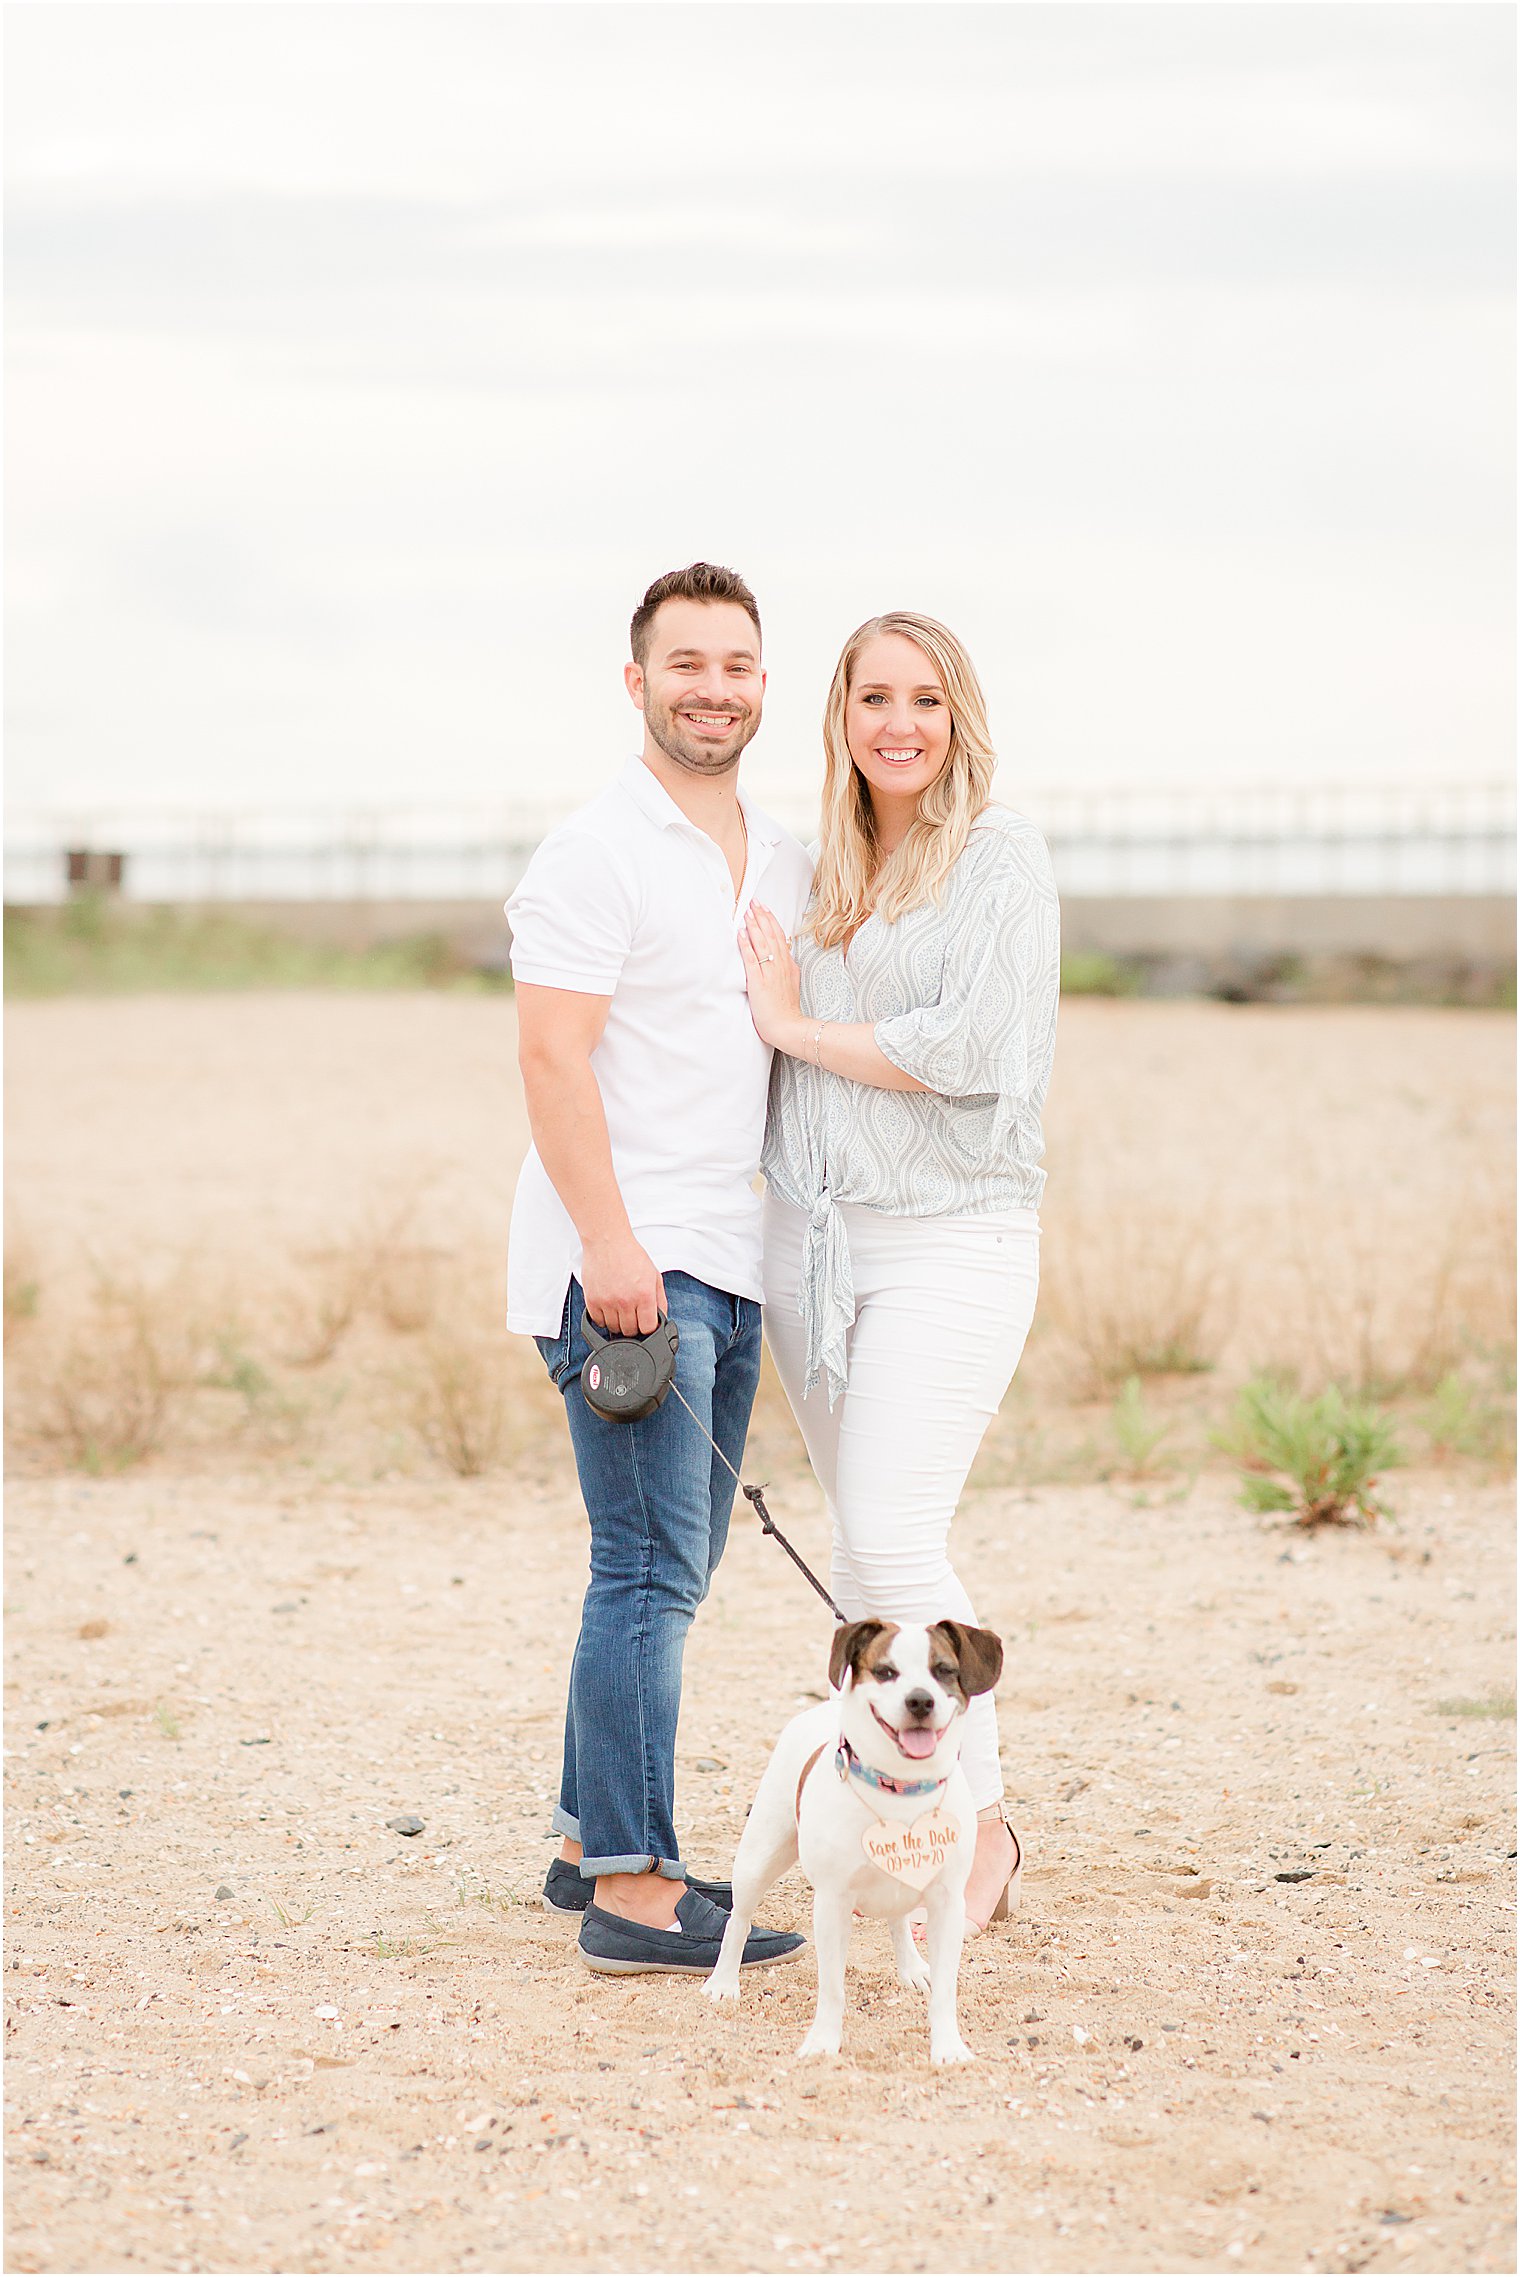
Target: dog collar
<point>847,1762</point>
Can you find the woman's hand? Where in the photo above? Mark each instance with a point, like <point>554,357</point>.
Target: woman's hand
<point>773,979</point>
<point>775,1006</point>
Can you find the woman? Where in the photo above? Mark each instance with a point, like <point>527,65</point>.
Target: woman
<point>914,1042</point>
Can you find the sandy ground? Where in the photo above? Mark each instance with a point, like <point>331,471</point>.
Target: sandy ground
<point>250,2027</point>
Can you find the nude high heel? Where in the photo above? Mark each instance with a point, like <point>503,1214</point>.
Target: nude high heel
<point>1013,1889</point>
<point>1010,1895</point>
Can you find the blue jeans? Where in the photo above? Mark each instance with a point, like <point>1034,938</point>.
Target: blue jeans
<point>659,1502</point>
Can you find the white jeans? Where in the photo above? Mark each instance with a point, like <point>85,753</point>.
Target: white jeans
<point>942,1308</point>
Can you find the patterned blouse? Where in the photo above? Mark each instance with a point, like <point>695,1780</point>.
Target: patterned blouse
<point>962,996</point>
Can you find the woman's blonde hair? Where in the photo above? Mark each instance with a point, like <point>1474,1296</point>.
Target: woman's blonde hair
<point>848,855</point>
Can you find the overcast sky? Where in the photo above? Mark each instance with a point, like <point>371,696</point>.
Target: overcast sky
<point>366,361</point>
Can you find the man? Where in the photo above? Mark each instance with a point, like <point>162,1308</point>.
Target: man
<point>646,1088</point>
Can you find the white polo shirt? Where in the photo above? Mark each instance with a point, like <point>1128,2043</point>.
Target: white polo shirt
<point>628,899</point>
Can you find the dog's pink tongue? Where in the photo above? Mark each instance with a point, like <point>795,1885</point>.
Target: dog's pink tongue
<point>918,1742</point>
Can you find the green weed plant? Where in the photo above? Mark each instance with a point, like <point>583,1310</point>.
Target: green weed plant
<point>1467,1421</point>
<point>1090,972</point>
<point>1138,1434</point>
<point>1316,1457</point>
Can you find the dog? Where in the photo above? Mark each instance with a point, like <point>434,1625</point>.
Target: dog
<point>867,1793</point>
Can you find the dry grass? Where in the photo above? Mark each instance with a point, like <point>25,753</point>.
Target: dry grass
<point>459,1405</point>
<point>1326,1197</point>
<point>323,1306</point>
<point>1038,1442</point>
<point>474,1398</point>
<point>102,1390</point>
<point>1218,1208</point>
<point>1385,1324</point>
<point>379,1268</point>
<point>413,1369</point>
<point>1330,1281</point>
<point>360,1355</point>
<point>263,1409</point>
<point>406,1285</point>
<point>1136,1291</point>
<point>23,1283</point>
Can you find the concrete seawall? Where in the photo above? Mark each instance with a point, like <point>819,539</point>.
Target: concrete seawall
<point>1475,928</point>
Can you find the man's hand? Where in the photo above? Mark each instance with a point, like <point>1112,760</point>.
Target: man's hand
<point>625,1295</point>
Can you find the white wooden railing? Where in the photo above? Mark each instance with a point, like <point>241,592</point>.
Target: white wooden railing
<point>1251,839</point>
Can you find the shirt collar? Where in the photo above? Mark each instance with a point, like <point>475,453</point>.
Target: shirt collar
<point>651,797</point>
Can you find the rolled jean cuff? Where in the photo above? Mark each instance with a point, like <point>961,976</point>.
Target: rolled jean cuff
<point>634,1862</point>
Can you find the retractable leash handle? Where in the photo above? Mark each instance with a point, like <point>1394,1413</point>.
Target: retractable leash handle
<point>624,1378</point>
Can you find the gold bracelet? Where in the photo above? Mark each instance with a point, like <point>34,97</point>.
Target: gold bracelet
<point>818,1044</point>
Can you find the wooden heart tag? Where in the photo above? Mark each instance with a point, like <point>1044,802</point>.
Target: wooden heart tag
<point>912,1854</point>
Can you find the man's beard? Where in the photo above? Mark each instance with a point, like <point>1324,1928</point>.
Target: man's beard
<point>697,758</point>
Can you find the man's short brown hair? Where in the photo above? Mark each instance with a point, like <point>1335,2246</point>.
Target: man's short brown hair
<point>701,581</point>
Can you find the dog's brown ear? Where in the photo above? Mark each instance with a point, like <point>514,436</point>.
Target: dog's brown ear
<point>850,1641</point>
<point>979,1653</point>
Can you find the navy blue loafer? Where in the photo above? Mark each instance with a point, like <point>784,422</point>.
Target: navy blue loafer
<point>566,1889</point>
<point>615,1947</point>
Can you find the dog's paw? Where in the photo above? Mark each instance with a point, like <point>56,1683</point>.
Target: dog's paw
<point>819,2044</point>
<point>716,1990</point>
<point>915,1976</point>
<point>952,2052</point>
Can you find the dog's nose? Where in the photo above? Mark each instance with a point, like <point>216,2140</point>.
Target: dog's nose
<point>919,1704</point>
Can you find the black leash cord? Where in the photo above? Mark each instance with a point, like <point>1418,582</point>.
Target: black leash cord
<point>755,1496</point>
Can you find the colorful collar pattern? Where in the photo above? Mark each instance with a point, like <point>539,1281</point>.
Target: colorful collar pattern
<point>847,1762</point>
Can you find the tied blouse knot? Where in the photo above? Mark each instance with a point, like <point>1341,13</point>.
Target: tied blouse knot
<point>962,996</point>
